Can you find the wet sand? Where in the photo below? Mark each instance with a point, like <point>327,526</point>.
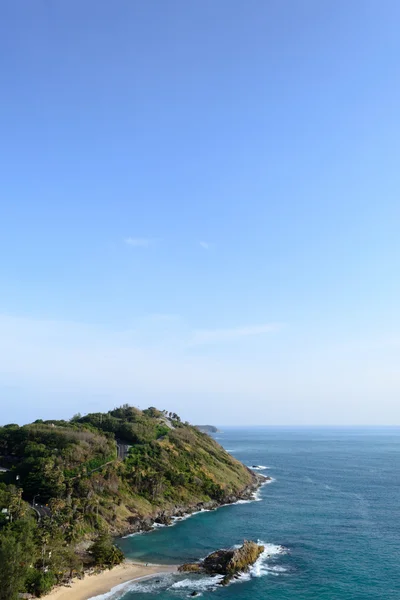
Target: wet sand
<point>97,584</point>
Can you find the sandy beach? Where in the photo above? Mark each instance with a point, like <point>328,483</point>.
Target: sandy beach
<point>94,585</point>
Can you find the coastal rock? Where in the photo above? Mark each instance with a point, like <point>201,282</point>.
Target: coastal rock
<point>228,563</point>
<point>164,519</point>
<point>191,568</point>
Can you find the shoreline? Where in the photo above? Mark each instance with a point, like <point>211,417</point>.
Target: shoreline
<point>170,517</point>
<point>98,584</point>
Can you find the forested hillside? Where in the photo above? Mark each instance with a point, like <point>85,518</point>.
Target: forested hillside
<point>71,483</point>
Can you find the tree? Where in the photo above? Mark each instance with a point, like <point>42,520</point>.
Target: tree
<point>40,583</point>
<point>72,561</point>
<point>104,552</point>
<point>17,507</point>
<point>17,555</point>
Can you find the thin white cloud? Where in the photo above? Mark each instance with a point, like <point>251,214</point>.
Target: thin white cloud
<point>139,242</point>
<point>51,369</point>
<point>214,336</point>
<point>205,245</point>
<point>96,359</point>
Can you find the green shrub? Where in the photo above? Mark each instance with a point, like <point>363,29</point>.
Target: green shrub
<point>40,583</point>
<point>104,552</point>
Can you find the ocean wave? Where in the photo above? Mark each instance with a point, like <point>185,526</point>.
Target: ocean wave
<point>149,584</point>
<point>267,481</point>
<point>258,467</point>
<point>256,496</point>
<point>184,517</point>
<point>178,519</point>
<point>144,584</point>
<point>116,592</point>
<point>197,583</point>
<point>263,566</point>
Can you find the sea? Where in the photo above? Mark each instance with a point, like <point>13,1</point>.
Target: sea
<point>329,521</point>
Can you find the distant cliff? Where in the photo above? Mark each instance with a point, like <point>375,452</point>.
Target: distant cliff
<point>207,428</point>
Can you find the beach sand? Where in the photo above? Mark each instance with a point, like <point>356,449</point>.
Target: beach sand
<point>97,584</point>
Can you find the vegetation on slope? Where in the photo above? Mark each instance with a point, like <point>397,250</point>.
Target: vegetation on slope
<point>98,475</point>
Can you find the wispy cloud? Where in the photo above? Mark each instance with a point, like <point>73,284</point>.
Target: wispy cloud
<point>139,242</point>
<point>215,336</point>
<point>51,369</point>
<point>205,245</point>
<point>55,354</point>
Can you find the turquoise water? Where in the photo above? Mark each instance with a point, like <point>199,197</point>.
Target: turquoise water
<point>334,506</point>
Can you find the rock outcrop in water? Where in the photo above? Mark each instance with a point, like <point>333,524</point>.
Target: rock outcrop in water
<point>228,563</point>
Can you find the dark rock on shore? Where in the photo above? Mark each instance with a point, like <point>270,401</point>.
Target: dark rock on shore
<point>228,563</point>
<point>164,519</point>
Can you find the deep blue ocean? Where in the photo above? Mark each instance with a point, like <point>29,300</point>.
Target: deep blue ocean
<point>334,506</point>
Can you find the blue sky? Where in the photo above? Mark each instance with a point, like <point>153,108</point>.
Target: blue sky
<point>200,209</point>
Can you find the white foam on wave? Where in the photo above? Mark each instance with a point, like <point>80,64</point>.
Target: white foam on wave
<point>259,467</point>
<point>197,583</point>
<point>262,565</point>
<point>145,584</point>
<point>149,584</point>
<point>128,535</point>
<point>256,495</point>
<point>276,569</point>
<point>174,521</point>
<point>116,592</point>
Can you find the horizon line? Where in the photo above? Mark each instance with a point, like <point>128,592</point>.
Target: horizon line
<point>322,426</point>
